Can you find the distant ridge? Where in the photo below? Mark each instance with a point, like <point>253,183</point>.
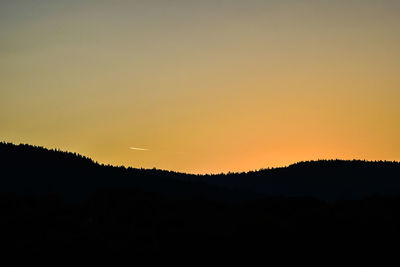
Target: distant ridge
<point>27,169</point>
<point>22,147</point>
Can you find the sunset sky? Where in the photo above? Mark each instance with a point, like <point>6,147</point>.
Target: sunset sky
<point>202,86</point>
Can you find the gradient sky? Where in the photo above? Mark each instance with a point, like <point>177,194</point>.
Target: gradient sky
<point>202,86</point>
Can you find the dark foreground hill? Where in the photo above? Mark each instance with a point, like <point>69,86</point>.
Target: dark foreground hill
<point>30,170</point>
<point>62,204</point>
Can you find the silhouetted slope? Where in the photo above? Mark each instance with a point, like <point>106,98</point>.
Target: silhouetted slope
<point>31,170</point>
<point>131,212</point>
<point>34,170</point>
<point>325,179</point>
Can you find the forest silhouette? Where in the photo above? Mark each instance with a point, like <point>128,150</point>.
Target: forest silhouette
<point>53,201</point>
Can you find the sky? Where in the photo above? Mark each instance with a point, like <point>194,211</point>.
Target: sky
<point>202,86</point>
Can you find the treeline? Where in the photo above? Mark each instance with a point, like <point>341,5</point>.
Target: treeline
<point>54,202</point>
<point>30,170</point>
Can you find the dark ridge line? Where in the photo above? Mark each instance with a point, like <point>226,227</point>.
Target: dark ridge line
<point>293,165</point>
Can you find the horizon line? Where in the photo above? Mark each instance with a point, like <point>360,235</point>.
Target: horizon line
<point>199,174</point>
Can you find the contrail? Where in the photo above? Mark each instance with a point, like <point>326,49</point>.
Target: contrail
<point>140,149</point>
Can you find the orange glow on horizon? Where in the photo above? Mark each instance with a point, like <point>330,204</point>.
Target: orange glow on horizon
<point>234,86</point>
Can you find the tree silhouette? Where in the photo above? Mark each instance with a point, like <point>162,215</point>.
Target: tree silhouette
<point>58,202</point>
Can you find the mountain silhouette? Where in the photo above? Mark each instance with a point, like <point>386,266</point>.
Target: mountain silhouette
<point>61,204</point>
<point>34,170</point>
<point>31,170</point>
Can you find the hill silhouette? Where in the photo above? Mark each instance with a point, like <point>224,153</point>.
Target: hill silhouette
<point>35,170</point>
<point>59,203</point>
<point>32,170</point>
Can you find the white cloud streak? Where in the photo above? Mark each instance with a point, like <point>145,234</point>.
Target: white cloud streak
<point>140,149</point>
